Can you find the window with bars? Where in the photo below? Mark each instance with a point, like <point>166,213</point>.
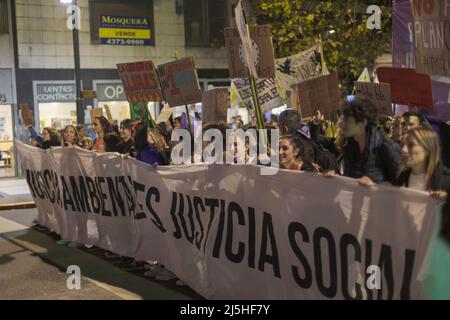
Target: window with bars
<point>204,22</point>
<point>4,27</point>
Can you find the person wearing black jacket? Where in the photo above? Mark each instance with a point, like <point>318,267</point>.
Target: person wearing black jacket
<point>368,155</point>
<point>322,160</point>
<point>125,146</point>
<point>421,166</point>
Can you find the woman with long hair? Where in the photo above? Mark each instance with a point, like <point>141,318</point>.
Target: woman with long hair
<point>421,168</point>
<point>150,146</point>
<point>101,127</point>
<point>70,137</point>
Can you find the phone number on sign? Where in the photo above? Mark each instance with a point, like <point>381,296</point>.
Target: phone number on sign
<point>126,42</point>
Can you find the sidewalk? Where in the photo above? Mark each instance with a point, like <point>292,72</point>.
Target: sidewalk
<point>15,194</point>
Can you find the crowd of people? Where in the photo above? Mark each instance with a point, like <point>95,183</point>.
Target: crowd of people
<point>403,150</point>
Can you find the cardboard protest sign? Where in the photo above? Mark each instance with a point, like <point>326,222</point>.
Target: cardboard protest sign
<point>299,67</point>
<point>179,82</point>
<point>432,36</point>
<point>96,112</point>
<point>267,93</point>
<point>261,37</point>
<point>27,114</point>
<point>407,86</point>
<point>108,113</point>
<point>140,81</point>
<point>320,93</point>
<point>215,104</point>
<point>247,48</point>
<point>377,93</point>
<point>165,114</point>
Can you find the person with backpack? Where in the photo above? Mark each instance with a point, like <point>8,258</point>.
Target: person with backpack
<point>316,157</point>
<point>368,154</point>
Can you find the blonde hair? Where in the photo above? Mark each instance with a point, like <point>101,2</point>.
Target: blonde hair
<point>429,141</point>
<point>157,138</point>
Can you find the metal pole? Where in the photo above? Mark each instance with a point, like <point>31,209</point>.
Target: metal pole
<point>77,71</point>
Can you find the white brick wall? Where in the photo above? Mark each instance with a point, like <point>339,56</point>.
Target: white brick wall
<point>45,42</point>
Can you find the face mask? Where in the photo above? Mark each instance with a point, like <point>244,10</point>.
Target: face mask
<point>234,126</point>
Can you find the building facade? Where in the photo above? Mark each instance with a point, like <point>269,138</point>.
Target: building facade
<point>40,51</point>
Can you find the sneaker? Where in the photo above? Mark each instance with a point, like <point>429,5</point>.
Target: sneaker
<point>180,283</point>
<point>165,275</point>
<point>153,272</point>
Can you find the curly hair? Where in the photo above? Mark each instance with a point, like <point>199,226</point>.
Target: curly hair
<point>360,110</point>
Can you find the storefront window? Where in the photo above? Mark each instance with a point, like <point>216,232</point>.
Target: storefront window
<point>57,114</point>
<point>6,141</point>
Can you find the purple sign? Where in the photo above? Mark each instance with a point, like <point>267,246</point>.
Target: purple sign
<point>403,56</point>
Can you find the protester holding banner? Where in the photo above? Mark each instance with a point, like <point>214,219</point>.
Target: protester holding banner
<point>421,167</point>
<point>125,146</point>
<point>150,146</point>
<point>70,137</point>
<point>101,127</point>
<point>289,122</point>
<point>49,138</point>
<point>368,154</point>
<point>290,153</point>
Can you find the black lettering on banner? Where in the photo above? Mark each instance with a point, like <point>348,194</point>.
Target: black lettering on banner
<point>198,202</point>
<point>139,211</point>
<point>251,237</point>
<point>407,274</point>
<point>67,198</point>
<point>239,255</point>
<point>30,183</point>
<point>48,184</point>
<point>368,247</point>
<point>173,210</point>
<point>156,220</point>
<point>189,237</point>
<point>219,234</point>
<point>58,190</point>
<point>268,235</point>
<point>39,185</point>
<point>95,201</point>
<point>212,204</point>
<point>80,194</point>
<point>103,196</point>
<point>306,281</point>
<point>385,264</point>
<point>130,197</point>
<point>116,197</point>
<point>40,180</point>
<point>346,241</point>
<point>320,233</point>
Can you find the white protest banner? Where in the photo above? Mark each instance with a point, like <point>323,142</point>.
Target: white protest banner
<point>294,69</point>
<point>179,82</point>
<point>262,51</point>
<point>267,93</point>
<point>378,93</point>
<point>292,235</point>
<point>215,104</point>
<point>140,81</point>
<point>432,36</point>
